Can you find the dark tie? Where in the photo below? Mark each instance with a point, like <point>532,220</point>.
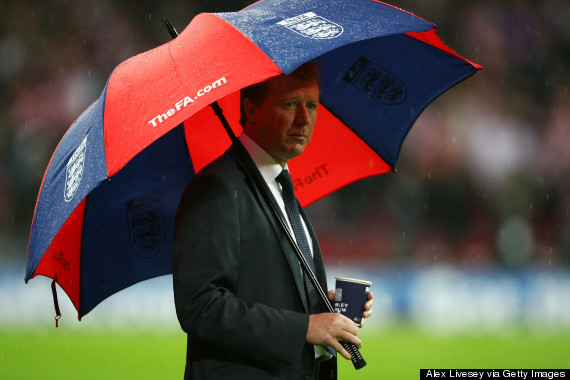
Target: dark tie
<point>315,304</point>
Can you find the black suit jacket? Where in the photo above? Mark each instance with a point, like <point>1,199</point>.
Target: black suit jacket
<point>238,285</point>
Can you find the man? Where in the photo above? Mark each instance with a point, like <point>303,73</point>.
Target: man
<point>238,286</point>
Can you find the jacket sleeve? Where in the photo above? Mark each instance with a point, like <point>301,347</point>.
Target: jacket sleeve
<point>206,270</point>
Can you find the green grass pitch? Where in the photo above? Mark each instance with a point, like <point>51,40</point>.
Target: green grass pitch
<point>395,353</point>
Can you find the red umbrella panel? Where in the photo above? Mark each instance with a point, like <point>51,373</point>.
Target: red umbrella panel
<point>105,212</point>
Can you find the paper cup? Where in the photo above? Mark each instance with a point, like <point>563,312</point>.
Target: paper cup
<point>350,296</point>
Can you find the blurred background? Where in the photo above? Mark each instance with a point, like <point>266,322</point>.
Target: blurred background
<point>471,233</point>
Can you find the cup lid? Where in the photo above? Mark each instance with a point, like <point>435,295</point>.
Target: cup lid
<point>354,280</point>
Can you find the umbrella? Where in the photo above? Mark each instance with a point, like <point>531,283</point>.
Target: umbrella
<point>105,211</point>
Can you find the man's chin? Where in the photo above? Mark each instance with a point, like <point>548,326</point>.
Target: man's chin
<point>295,150</point>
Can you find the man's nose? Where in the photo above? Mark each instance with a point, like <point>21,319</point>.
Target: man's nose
<point>302,114</point>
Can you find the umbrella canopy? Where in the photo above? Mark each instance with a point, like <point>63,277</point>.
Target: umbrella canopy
<point>105,212</point>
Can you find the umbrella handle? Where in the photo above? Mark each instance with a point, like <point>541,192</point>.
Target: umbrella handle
<point>356,358</point>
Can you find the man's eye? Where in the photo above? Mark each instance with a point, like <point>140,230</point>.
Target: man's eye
<point>312,106</point>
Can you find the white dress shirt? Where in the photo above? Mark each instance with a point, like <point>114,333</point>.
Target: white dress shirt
<point>270,169</point>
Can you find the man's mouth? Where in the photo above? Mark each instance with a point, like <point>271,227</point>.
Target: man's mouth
<point>298,138</point>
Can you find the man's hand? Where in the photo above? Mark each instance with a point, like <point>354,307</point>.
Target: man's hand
<point>327,329</point>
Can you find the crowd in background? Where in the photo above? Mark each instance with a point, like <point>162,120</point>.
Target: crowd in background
<point>483,177</point>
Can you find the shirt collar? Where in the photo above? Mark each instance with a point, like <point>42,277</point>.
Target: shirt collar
<point>267,166</point>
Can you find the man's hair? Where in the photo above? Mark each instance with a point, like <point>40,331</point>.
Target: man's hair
<point>259,91</point>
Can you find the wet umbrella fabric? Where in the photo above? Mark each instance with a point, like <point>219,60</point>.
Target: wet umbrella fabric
<point>105,212</point>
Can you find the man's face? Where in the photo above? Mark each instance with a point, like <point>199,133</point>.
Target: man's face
<point>283,123</point>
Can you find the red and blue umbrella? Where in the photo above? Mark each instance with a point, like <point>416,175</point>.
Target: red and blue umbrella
<point>105,212</point>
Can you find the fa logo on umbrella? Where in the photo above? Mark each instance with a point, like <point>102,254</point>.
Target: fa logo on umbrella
<point>74,171</point>
<point>376,82</point>
<point>146,225</point>
<point>313,26</point>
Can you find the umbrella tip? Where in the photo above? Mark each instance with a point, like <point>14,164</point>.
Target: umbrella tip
<point>171,29</point>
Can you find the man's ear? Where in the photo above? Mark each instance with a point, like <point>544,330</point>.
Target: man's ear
<point>250,110</point>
